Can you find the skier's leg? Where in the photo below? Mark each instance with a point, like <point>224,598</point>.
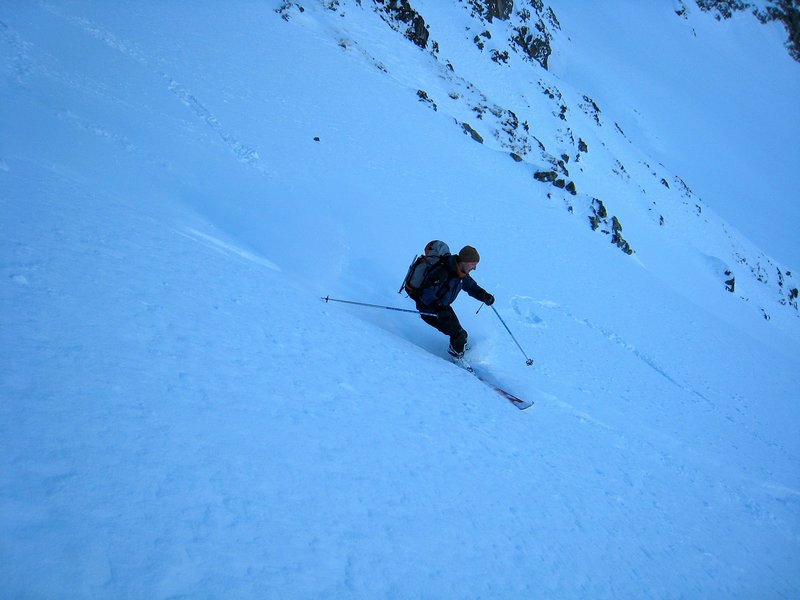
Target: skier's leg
<point>447,322</point>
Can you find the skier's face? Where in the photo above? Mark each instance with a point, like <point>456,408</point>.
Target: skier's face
<point>466,267</point>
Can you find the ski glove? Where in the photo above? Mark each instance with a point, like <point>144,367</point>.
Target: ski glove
<point>488,299</point>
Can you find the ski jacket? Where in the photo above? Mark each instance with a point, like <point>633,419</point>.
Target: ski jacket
<point>443,284</point>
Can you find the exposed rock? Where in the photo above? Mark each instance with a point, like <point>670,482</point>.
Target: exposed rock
<point>479,40</point>
<point>723,9</point>
<point>590,107</point>
<point>730,284</point>
<point>793,293</point>
<point>535,46</point>
<point>490,9</point>
<point>545,176</point>
<point>599,213</point>
<point>284,10</point>
<point>472,133</point>
<point>500,9</point>
<point>616,237</point>
<point>395,12</point>
<point>600,217</point>
<point>788,13</point>
<point>423,97</point>
<point>500,57</point>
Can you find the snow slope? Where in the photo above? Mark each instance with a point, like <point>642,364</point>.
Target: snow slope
<point>183,417</point>
<point>714,101</point>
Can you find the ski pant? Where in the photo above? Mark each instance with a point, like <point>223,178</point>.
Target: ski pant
<point>446,321</point>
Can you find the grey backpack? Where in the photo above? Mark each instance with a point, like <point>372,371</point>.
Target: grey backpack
<point>436,252</point>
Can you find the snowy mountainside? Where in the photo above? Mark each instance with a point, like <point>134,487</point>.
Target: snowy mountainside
<point>559,134</point>
<point>183,417</point>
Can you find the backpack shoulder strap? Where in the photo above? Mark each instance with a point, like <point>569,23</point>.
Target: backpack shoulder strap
<point>436,274</point>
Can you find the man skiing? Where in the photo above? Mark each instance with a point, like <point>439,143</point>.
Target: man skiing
<point>441,287</point>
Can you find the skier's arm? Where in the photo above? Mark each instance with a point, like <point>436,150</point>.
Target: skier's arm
<point>473,289</point>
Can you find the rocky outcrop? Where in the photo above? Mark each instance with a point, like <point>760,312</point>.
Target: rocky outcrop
<point>724,9</point>
<point>531,28</point>
<point>730,284</point>
<point>534,46</point>
<point>468,129</point>
<point>492,9</point>
<point>788,13</point>
<point>500,9</point>
<point>423,97</point>
<point>402,17</point>
<point>599,220</point>
<point>534,33</point>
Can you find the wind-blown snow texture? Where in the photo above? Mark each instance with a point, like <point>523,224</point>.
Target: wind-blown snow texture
<point>182,417</point>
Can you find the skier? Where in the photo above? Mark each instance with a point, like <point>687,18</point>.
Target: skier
<point>441,287</point>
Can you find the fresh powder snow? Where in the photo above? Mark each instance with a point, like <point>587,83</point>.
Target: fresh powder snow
<point>182,416</point>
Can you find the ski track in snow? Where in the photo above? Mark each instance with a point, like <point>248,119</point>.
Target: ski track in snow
<point>217,244</point>
<point>524,307</point>
<point>243,152</point>
<point>521,306</point>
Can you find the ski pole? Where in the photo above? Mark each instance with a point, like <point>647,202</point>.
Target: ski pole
<point>528,361</point>
<point>416,312</point>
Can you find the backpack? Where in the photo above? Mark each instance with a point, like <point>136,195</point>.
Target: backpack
<point>436,252</point>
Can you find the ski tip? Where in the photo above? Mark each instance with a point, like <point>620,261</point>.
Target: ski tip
<point>520,403</point>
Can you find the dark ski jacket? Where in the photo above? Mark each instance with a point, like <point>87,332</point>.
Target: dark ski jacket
<point>443,284</point>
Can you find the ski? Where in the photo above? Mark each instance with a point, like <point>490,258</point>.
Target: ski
<point>514,399</point>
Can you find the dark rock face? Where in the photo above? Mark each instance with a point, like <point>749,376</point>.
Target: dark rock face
<point>531,27</point>
<point>545,176</point>
<point>599,220</point>
<point>788,13</point>
<point>472,133</point>
<point>534,46</point>
<point>616,237</point>
<point>423,97</point>
<point>492,9</point>
<point>730,284</point>
<point>400,11</point>
<point>599,214</point>
<point>500,9</point>
<point>723,8</point>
